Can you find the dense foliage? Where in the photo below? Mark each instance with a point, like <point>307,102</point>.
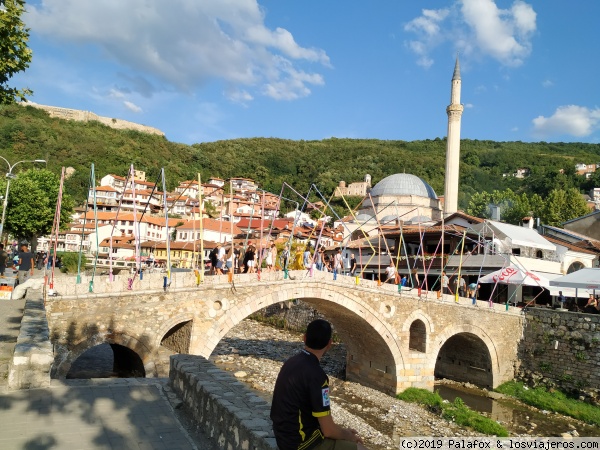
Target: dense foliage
<point>32,204</point>
<point>15,56</point>
<point>29,133</point>
<point>559,206</point>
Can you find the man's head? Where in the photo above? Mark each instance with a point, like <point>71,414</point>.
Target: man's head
<point>24,247</point>
<point>318,334</point>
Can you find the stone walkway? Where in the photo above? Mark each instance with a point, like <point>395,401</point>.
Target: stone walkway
<point>111,413</point>
<point>11,312</point>
<point>92,414</point>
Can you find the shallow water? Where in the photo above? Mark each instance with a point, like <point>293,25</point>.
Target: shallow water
<point>97,362</point>
<point>516,417</point>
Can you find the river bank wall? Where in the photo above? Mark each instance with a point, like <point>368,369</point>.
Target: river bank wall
<point>561,349</point>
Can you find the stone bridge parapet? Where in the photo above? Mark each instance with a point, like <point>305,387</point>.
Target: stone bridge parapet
<point>227,411</point>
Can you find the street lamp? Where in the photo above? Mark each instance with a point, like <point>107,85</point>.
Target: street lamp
<point>10,176</point>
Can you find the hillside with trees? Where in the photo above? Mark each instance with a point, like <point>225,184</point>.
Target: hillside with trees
<point>486,166</point>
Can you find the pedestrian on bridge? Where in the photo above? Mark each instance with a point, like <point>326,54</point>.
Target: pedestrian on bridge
<point>301,409</point>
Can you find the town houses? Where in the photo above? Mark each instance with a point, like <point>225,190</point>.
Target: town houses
<point>400,224</point>
<point>120,211</point>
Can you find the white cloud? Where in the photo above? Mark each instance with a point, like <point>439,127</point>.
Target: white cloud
<point>239,96</point>
<point>427,28</point>
<point>547,83</point>
<point>183,44</point>
<point>573,120</point>
<point>132,107</point>
<point>503,34</point>
<point>475,27</point>
<point>429,22</point>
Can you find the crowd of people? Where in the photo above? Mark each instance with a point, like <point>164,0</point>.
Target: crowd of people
<point>226,258</point>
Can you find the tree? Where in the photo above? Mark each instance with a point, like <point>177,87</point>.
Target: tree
<point>32,203</point>
<point>561,206</point>
<point>523,206</point>
<point>479,205</point>
<point>211,209</point>
<point>15,56</point>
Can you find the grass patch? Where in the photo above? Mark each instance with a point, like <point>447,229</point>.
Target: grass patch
<point>457,411</point>
<point>555,401</point>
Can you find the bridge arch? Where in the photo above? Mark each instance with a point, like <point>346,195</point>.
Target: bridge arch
<point>466,348</point>
<point>62,365</point>
<point>374,356</point>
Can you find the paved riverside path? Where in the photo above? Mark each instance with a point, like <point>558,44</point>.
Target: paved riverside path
<point>92,414</point>
<point>110,413</point>
<point>11,312</point>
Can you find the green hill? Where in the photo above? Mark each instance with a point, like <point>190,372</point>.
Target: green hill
<point>29,133</point>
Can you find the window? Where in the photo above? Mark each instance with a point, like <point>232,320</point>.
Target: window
<point>516,251</point>
<point>539,254</point>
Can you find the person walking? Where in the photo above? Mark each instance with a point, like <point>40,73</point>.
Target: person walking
<point>445,283</point>
<point>319,258</point>
<point>353,265</point>
<point>390,273</point>
<point>337,262</point>
<point>250,258</point>
<point>462,286</point>
<point>3,260</point>
<point>285,257</point>
<point>301,406</point>
<point>307,257</point>
<point>26,264</point>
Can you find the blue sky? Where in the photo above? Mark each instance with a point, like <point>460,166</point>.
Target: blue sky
<point>206,70</point>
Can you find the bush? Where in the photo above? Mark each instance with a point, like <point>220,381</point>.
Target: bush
<point>69,262</point>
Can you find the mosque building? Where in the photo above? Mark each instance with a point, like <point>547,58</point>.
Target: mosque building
<point>406,198</point>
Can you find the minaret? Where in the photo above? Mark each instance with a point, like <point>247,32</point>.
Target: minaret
<point>454,111</point>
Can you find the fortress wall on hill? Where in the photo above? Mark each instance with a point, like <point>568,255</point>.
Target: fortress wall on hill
<point>86,116</point>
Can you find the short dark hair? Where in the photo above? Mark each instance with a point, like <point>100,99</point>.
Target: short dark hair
<point>318,334</point>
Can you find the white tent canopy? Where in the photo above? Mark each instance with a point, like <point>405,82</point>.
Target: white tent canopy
<point>581,279</point>
<point>514,275</point>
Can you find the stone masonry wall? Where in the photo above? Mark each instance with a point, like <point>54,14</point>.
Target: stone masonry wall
<point>178,338</point>
<point>230,413</point>
<point>86,116</point>
<point>32,359</point>
<point>561,348</point>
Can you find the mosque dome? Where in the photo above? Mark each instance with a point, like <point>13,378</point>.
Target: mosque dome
<point>403,184</point>
<point>364,217</point>
<point>389,218</point>
<point>419,219</point>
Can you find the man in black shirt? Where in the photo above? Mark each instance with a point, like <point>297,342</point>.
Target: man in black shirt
<point>26,263</point>
<point>300,410</point>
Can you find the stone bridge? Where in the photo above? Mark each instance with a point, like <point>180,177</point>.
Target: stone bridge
<point>393,340</point>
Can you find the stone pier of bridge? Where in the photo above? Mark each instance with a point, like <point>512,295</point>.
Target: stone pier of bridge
<point>394,340</point>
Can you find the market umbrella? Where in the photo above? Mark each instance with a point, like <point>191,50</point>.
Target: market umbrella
<point>582,279</point>
<point>514,275</point>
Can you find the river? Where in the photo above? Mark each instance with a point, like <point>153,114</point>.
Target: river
<point>254,352</point>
